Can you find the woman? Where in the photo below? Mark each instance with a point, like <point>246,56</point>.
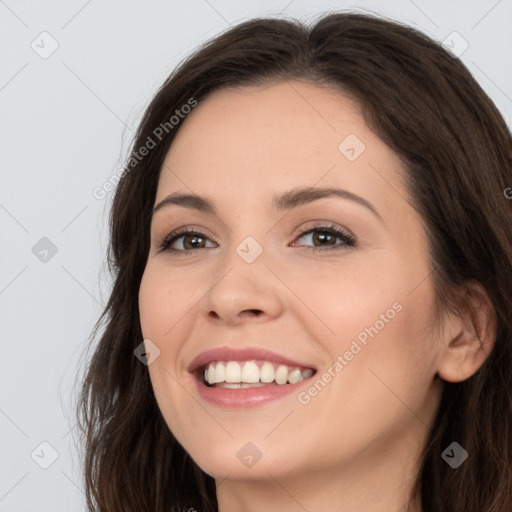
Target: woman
<point>244,366</point>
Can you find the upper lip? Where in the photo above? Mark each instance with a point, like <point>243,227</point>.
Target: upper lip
<point>241,354</point>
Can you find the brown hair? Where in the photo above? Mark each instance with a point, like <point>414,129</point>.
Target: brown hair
<point>457,151</point>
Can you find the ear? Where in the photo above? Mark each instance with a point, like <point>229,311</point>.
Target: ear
<point>469,336</point>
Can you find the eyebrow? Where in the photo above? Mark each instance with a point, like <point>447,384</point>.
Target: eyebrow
<point>280,202</point>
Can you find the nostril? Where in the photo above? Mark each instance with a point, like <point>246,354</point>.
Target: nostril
<point>257,312</point>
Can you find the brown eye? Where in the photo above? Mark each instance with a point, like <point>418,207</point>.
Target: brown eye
<point>322,237</point>
<point>325,236</point>
<point>190,240</point>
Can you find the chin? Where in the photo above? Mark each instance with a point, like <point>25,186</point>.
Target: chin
<point>239,460</point>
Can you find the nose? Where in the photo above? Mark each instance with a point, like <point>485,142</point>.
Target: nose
<point>244,292</point>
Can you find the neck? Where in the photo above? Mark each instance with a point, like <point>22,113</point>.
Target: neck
<point>379,480</point>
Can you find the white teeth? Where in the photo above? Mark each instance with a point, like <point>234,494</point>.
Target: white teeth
<point>267,372</point>
<point>281,375</point>
<point>211,372</point>
<point>220,373</point>
<point>250,373</point>
<point>294,376</point>
<point>232,372</point>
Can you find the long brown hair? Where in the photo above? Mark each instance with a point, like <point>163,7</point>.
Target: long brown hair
<point>457,151</point>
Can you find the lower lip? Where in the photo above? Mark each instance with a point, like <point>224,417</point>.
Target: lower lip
<point>245,397</point>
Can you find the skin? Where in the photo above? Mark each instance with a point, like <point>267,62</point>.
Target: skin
<point>355,445</point>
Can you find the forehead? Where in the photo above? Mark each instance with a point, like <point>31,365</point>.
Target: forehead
<point>291,120</point>
<point>282,134</point>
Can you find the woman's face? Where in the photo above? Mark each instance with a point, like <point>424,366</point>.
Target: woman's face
<point>357,308</point>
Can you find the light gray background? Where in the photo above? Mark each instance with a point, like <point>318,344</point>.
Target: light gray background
<point>65,125</point>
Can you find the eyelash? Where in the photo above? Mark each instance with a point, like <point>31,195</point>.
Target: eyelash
<point>348,239</point>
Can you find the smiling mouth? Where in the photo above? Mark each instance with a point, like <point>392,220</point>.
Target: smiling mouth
<point>251,374</point>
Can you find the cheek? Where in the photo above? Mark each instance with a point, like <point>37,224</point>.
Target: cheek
<point>339,303</point>
<point>377,333</point>
<point>162,302</point>
<point>150,305</point>
<point>162,318</point>
<point>388,357</point>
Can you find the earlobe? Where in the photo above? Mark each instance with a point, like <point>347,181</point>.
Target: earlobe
<point>469,336</point>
